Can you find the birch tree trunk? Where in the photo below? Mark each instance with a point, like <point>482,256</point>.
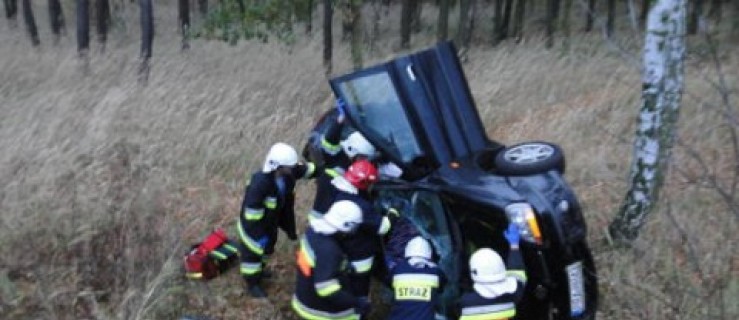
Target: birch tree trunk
<point>328,14</point>
<point>355,10</point>
<point>662,83</point>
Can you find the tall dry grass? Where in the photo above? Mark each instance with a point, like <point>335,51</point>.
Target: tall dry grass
<point>104,183</point>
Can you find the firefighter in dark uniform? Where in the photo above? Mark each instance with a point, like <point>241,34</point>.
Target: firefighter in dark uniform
<point>337,155</point>
<point>496,290</point>
<point>321,290</point>
<point>268,204</point>
<point>416,281</point>
<point>362,246</point>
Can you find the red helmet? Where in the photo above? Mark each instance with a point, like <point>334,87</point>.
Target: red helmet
<point>361,174</point>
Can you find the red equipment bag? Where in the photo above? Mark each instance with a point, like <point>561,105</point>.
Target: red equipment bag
<point>198,263</point>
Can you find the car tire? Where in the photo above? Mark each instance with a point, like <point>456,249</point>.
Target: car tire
<point>530,158</point>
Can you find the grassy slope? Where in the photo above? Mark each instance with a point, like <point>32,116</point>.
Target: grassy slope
<point>104,182</point>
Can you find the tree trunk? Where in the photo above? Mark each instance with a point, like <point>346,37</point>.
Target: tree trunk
<point>56,19</point>
<point>497,22</point>
<point>736,18</point>
<point>590,15</point>
<point>464,31</point>
<point>696,11</point>
<point>11,9</point>
<point>147,38</point>
<point>519,16</point>
<point>328,12</point>
<point>103,21</point>
<point>662,83</point>
<point>644,11</point>
<point>356,42</point>
<point>309,18</point>
<point>416,8</point>
<point>550,24</point>
<point>715,11</point>
<point>184,17</point>
<point>83,27</point>
<point>405,23</point>
<point>565,23</point>
<point>442,29</point>
<point>30,22</point>
<point>506,19</point>
<point>203,7</point>
<point>611,17</point>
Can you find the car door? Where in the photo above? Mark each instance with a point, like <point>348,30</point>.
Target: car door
<point>415,108</point>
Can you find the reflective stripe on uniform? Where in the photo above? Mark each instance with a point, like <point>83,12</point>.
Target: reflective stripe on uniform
<point>328,287</point>
<point>253,214</point>
<point>270,203</point>
<point>520,275</point>
<point>489,312</point>
<point>250,268</point>
<point>363,266</point>
<point>334,172</point>
<point>329,147</point>
<point>409,280</point>
<point>384,226</point>
<point>231,248</point>
<point>310,169</point>
<point>218,255</point>
<point>306,312</point>
<point>252,245</point>
<point>308,252</point>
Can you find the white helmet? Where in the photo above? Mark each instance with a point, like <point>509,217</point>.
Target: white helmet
<point>344,215</point>
<point>280,154</point>
<point>418,247</point>
<point>486,266</point>
<point>357,144</point>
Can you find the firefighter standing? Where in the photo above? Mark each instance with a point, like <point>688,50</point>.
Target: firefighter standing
<point>337,155</point>
<point>268,203</point>
<point>362,246</point>
<point>416,282</point>
<point>321,287</point>
<point>495,290</point>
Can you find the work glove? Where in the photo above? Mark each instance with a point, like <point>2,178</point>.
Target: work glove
<point>512,234</point>
<point>340,110</point>
<point>263,242</point>
<point>363,307</point>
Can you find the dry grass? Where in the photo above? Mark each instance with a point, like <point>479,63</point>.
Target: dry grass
<point>103,182</point>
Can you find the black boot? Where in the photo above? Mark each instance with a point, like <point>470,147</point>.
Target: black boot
<point>253,287</point>
<point>256,291</point>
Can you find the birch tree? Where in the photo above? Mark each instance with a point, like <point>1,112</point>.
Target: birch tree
<point>662,87</point>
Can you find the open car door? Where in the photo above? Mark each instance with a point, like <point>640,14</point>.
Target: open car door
<point>416,109</point>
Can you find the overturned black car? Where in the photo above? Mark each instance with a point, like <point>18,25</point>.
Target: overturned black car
<point>463,188</point>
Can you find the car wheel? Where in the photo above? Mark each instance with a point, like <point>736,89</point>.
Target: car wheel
<point>530,158</point>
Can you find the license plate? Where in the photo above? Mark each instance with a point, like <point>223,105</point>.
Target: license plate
<point>577,289</point>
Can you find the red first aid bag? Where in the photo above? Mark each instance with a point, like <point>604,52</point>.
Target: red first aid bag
<point>198,263</point>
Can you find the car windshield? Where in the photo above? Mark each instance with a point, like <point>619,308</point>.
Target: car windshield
<point>375,105</point>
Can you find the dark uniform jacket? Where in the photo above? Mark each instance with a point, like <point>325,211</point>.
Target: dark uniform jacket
<point>265,207</point>
<point>335,163</point>
<point>416,291</point>
<point>476,307</point>
<point>321,289</point>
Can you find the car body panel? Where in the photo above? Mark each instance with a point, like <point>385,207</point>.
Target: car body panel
<point>418,111</point>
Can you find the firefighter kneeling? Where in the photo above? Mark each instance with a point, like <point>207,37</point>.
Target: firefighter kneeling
<point>322,290</point>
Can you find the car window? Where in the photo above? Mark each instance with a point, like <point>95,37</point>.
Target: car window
<point>375,105</point>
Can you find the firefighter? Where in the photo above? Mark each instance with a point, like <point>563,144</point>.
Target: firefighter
<point>321,290</point>
<point>338,155</point>
<point>362,246</point>
<point>495,290</point>
<point>268,204</point>
<point>416,282</point>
